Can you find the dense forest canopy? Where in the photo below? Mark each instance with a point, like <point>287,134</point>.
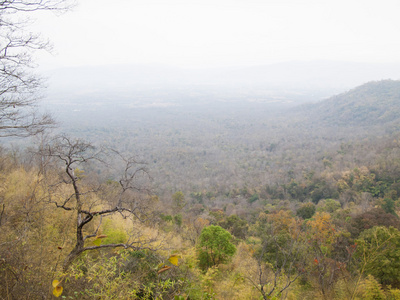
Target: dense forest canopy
<point>207,200</point>
<point>196,145</point>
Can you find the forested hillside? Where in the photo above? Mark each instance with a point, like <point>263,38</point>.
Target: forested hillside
<point>207,199</point>
<point>374,103</point>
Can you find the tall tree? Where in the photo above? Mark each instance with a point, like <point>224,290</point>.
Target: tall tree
<point>378,255</point>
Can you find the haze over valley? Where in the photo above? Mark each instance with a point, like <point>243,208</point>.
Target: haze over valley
<point>199,150</point>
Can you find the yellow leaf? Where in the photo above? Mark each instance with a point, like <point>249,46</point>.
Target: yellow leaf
<point>97,242</point>
<point>55,283</point>
<point>58,291</point>
<point>173,259</point>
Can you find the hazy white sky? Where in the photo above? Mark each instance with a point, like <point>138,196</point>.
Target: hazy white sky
<point>206,33</point>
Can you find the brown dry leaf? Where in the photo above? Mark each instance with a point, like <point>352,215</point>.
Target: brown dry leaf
<point>163,269</point>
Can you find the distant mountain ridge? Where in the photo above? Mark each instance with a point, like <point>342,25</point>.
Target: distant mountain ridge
<point>373,103</point>
<point>330,76</point>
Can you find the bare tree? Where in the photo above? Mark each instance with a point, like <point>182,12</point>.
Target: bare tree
<point>19,86</point>
<point>129,196</point>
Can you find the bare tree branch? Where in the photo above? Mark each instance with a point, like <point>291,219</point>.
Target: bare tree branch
<point>133,185</point>
<point>284,271</point>
<point>19,86</point>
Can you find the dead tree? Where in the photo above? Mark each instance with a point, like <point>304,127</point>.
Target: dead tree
<point>132,185</point>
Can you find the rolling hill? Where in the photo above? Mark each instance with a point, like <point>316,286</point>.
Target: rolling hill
<point>376,103</point>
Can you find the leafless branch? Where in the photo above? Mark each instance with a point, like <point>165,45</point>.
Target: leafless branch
<point>284,270</point>
<point>133,184</point>
<point>19,87</point>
